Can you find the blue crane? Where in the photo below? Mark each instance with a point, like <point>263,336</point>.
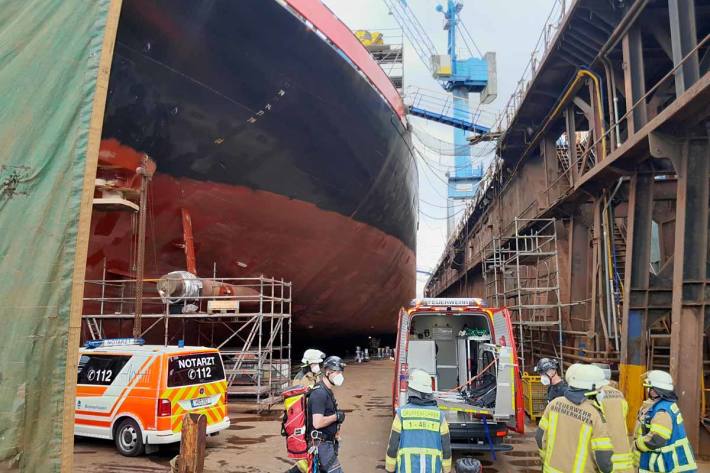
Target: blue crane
<point>458,76</point>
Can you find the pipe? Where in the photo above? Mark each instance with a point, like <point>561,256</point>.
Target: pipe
<point>563,102</point>
<point>188,241</point>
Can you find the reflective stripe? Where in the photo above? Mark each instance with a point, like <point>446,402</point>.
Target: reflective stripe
<point>421,413</point>
<point>661,430</point>
<point>641,445</point>
<point>405,456</point>
<point>674,408</point>
<point>421,425</point>
<point>543,423</point>
<point>420,451</point>
<point>390,463</point>
<point>602,443</point>
<point>551,434</point>
<point>657,460</point>
<point>580,457</point>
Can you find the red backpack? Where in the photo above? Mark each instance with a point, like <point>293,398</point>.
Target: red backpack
<point>294,425</point>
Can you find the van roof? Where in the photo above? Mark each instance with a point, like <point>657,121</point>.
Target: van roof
<point>169,349</point>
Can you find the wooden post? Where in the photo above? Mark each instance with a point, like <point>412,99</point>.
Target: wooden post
<point>83,232</point>
<point>192,445</point>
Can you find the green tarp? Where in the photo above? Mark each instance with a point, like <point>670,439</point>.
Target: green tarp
<point>50,51</point>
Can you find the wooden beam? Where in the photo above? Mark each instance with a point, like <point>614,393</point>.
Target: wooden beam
<point>83,230</point>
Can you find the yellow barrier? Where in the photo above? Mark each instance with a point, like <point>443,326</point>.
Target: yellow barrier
<point>534,396</point>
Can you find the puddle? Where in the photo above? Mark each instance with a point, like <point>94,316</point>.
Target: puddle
<point>240,441</point>
<point>236,426</point>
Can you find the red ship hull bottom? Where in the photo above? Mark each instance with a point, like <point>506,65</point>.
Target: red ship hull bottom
<point>348,277</point>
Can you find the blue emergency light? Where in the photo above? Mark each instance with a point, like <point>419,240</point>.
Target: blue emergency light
<point>113,342</point>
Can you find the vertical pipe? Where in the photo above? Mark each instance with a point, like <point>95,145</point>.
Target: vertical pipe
<point>145,174</point>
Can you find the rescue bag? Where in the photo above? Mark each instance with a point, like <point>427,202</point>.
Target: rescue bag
<point>293,425</point>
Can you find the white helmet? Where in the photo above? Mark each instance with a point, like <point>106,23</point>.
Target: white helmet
<point>658,379</point>
<point>606,372</point>
<point>312,356</point>
<point>420,380</point>
<point>587,377</point>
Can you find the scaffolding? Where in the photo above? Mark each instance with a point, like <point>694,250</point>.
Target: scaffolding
<point>521,272</point>
<point>251,327</point>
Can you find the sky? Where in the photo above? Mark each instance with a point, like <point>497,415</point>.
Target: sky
<point>510,28</point>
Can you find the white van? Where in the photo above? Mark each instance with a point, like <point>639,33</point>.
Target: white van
<point>468,349</point>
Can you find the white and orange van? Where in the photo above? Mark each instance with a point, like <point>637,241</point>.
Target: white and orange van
<point>137,394</point>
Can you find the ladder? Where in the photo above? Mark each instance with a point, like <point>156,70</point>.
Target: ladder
<point>95,329</point>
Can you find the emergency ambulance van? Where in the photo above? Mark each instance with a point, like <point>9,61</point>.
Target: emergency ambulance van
<point>137,395</point>
<point>469,352</point>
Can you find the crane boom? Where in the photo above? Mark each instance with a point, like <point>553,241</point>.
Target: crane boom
<point>413,30</point>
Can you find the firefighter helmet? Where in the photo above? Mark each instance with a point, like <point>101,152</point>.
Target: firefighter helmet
<point>419,380</point>
<point>586,377</point>
<point>312,356</point>
<point>659,380</point>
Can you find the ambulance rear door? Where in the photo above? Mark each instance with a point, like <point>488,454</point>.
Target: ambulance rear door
<point>401,369</point>
<point>509,395</point>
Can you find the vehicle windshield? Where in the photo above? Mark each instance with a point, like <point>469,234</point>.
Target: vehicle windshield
<point>196,368</point>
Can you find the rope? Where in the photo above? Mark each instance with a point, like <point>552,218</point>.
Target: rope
<point>474,378</point>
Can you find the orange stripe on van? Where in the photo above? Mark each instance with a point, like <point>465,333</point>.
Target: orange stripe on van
<point>95,423</point>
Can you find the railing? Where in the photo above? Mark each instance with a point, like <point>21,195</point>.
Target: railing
<point>248,319</point>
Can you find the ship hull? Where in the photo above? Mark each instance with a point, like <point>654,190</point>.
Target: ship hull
<point>288,159</point>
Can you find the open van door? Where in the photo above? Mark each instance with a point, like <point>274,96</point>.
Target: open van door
<point>401,369</point>
<point>508,370</point>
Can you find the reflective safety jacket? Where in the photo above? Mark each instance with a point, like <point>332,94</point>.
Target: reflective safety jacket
<point>420,440</point>
<point>660,441</point>
<point>573,438</point>
<point>615,408</point>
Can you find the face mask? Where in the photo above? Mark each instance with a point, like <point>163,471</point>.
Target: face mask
<point>338,379</point>
<point>544,380</point>
<point>315,368</point>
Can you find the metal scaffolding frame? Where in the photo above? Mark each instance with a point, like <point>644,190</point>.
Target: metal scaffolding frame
<point>522,273</point>
<point>252,328</point>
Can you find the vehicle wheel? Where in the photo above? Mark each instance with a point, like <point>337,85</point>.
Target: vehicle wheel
<point>129,438</point>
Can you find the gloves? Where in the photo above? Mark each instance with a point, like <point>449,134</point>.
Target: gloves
<point>340,415</point>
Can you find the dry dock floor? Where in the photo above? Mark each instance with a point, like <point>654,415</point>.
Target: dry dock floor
<point>253,444</point>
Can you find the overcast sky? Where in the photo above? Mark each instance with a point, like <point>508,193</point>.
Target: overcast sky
<point>508,27</point>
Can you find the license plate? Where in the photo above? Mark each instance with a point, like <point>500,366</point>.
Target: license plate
<point>201,402</point>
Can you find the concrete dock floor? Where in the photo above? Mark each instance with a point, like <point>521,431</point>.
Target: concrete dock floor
<point>253,444</point>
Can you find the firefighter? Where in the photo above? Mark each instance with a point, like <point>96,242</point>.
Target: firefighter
<point>660,443</point>
<point>615,408</point>
<point>308,376</point>
<point>310,372</point>
<point>419,440</point>
<point>549,371</point>
<point>572,434</point>
<point>326,418</point>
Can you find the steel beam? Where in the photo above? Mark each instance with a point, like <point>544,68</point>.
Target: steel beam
<point>690,277</point>
<point>636,285</point>
<point>683,41</point>
<point>634,78</point>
